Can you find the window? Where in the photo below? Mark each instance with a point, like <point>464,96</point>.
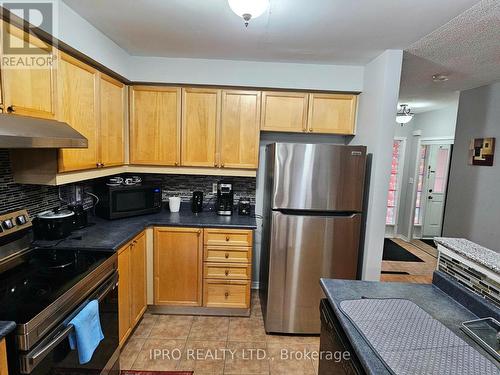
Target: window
<point>420,182</point>
<point>441,170</point>
<point>395,181</point>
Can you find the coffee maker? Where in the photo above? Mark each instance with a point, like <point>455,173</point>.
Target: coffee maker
<point>225,198</point>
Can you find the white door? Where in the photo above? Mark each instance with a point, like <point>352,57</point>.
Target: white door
<point>437,167</point>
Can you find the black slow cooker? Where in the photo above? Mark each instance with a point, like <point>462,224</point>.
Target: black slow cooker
<point>54,224</point>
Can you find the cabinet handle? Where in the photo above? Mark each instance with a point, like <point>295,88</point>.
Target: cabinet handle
<point>199,232</point>
<point>226,294</point>
<point>11,109</point>
<point>227,238</point>
<point>310,130</point>
<point>227,255</point>
<point>227,272</point>
<point>222,165</point>
<point>176,164</point>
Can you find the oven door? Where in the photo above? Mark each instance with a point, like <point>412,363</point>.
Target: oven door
<point>53,354</point>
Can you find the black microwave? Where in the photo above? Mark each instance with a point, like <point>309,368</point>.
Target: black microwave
<point>116,202</point>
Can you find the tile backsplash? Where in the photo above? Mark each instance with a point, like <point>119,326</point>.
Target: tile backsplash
<point>37,198</point>
<point>184,185</point>
<point>14,196</point>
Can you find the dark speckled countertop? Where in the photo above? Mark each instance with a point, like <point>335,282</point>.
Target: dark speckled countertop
<point>431,298</point>
<point>110,235</point>
<point>6,328</point>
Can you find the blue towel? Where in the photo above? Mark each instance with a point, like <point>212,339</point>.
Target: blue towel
<point>87,333</point>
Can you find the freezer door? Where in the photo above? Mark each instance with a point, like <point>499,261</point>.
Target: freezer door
<point>303,249</point>
<point>317,177</point>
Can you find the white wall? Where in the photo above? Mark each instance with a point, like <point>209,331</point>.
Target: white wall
<point>473,207</point>
<point>246,73</point>
<point>376,130</point>
<point>439,123</point>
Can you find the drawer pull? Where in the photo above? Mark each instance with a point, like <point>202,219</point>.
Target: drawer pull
<point>226,294</point>
<point>227,255</point>
<point>227,238</point>
<point>227,272</point>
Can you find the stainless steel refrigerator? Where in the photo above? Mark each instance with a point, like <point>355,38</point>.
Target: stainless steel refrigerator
<point>313,200</point>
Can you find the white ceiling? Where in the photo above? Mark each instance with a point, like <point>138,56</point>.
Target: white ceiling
<point>314,31</point>
<point>467,49</point>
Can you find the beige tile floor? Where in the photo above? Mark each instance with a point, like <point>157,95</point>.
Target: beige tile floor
<point>216,345</point>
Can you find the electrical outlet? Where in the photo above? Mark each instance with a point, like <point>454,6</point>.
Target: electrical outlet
<point>214,188</point>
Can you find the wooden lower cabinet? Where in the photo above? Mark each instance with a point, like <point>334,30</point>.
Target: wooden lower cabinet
<point>202,268</point>
<point>132,301</point>
<point>3,358</point>
<point>227,268</point>
<point>221,293</point>
<point>178,261</point>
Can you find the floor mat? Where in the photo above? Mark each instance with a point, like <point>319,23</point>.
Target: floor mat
<point>394,252</point>
<point>134,372</point>
<point>429,242</point>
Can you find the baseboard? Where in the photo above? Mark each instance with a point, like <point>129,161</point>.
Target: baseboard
<point>404,238</point>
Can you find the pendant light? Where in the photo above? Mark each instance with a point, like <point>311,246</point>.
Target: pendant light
<point>248,9</point>
<point>404,115</point>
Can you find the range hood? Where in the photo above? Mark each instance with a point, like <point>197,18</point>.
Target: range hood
<point>29,132</point>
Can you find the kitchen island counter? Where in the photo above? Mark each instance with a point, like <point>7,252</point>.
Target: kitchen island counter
<point>110,235</point>
<point>440,305</point>
<point>6,327</point>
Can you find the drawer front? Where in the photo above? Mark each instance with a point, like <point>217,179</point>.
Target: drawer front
<point>228,255</point>
<point>226,294</point>
<point>228,237</point>
<point>227,271</point>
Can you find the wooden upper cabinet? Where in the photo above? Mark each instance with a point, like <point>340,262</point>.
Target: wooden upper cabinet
<point>178,261</point>
<point>30,91</point>
<point>200,123</point>
<point>332,113</point>
<point>284,111</point>
<point>112,121</point>
<point>155,125</point>
<point>239,133</point>
<point>78,105</point>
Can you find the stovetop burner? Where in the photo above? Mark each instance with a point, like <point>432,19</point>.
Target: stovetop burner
<point>44,276</point>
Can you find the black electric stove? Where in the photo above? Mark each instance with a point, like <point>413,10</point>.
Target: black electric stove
<point>42,289</point>
<point>42,278</point>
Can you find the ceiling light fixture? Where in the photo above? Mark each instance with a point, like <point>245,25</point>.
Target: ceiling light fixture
<point>440,77</point>
<point>404,115</point>
<point>248,9</point>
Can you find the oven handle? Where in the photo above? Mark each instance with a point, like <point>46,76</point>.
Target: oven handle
<point>32,359</point>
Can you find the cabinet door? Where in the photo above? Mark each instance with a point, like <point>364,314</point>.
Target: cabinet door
<point>124,300</point>
<point>112,121</point>
<point>30,91</point>
<point>239,134</point>
<point>155,125</point>
<point>284,111</point>
<point>332,113</point>
<point>78,107</point>
<point>178,264</point>
<point>200,121</point>
<point>138,277</point>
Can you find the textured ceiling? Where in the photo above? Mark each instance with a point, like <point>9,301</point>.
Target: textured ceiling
<point>314,31</point>
<point>467,49</point>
